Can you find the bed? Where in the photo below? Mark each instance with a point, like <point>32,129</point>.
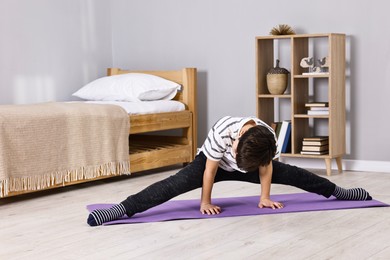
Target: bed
<point>154,151</point>
<point>150,143</point>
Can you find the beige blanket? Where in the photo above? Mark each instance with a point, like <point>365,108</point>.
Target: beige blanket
<point>51,144</point>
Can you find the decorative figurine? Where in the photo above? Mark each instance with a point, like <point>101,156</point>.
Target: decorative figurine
<point>282,29</point>
<point>277,80</point>
<point>307,62</point>
<point>324,64</point>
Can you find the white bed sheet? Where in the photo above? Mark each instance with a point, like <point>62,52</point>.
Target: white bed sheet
<point>146,107</point>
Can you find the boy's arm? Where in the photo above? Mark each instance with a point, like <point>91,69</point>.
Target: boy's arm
<point>265,173</point>
<point>208,181</point>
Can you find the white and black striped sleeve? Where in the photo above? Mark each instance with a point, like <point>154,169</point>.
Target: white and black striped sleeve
<point>214,147</point>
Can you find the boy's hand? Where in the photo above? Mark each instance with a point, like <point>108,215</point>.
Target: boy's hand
<point>270,204</point>
<point>209,209</point>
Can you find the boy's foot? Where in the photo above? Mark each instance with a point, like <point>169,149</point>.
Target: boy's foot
<point>100,216</point>
<point>351,194</point>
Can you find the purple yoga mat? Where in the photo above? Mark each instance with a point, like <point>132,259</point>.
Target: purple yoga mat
<point>238,206</point>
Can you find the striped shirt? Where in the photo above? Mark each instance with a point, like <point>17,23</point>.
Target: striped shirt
<point>219,143</point>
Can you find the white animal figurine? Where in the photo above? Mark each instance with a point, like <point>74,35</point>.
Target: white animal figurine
<point>324,64</point>
<point>307,62</point>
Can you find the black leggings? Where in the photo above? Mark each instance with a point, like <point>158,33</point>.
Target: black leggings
<point>191,177</point>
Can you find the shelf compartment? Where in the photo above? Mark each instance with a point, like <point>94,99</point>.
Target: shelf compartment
<point>266,57</point>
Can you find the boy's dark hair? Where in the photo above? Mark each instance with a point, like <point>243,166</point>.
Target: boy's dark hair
<point>257,147</point>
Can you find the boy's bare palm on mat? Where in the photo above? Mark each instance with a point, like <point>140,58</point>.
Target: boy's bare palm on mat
<point>267,203</point>
<point>210,209</point>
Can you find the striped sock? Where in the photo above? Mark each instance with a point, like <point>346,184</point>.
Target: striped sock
<point>351,194</point>
<point>99,216</point>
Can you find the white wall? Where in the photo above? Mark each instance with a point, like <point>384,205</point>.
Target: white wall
<point>49,48</point>
<point>218,37</point>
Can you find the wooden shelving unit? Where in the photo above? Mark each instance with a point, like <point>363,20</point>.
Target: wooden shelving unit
<point>302,87</point>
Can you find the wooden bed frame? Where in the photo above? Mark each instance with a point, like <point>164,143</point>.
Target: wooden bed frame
<point>154,151</point>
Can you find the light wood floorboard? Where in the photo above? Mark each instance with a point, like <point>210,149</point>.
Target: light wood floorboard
<point>52,225</point>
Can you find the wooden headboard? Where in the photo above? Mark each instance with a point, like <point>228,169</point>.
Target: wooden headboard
<point>187,78</point>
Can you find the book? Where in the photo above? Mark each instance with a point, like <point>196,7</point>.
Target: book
<point>287,140</point>
<point>282,136</point>
<point>316,138</point>
<point>319,108</point>
<point>276,127</point>
<point>316,143</point>
<point>318,112</point>
<point>315,153</point>
<point>310,148</point>
<point>317,104</point>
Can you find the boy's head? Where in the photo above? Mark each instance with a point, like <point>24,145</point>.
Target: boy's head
<point>257,147</point>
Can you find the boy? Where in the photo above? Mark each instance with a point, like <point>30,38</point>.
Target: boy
<point>240,149</point>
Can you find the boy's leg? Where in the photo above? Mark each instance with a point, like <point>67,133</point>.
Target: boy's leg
<point>188,178</point>
<point>301,178</point>
<point>294,176</point>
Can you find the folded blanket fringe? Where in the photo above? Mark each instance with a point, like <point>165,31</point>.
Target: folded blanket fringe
<point>41,182</point>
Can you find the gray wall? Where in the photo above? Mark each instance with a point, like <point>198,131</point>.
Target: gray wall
<point>218,37</point>
<point>50,48</point>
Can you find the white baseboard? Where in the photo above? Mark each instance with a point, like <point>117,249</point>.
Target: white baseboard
<point>348,165</point>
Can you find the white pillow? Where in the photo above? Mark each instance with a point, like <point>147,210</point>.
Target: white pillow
<point>129,87</point>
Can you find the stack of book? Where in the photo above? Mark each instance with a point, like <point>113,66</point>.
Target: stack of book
<point>318,145</point>
<point>283,134</point>
<point>317,108</point>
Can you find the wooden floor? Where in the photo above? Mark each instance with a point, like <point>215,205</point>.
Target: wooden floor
<point>52,225</point>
